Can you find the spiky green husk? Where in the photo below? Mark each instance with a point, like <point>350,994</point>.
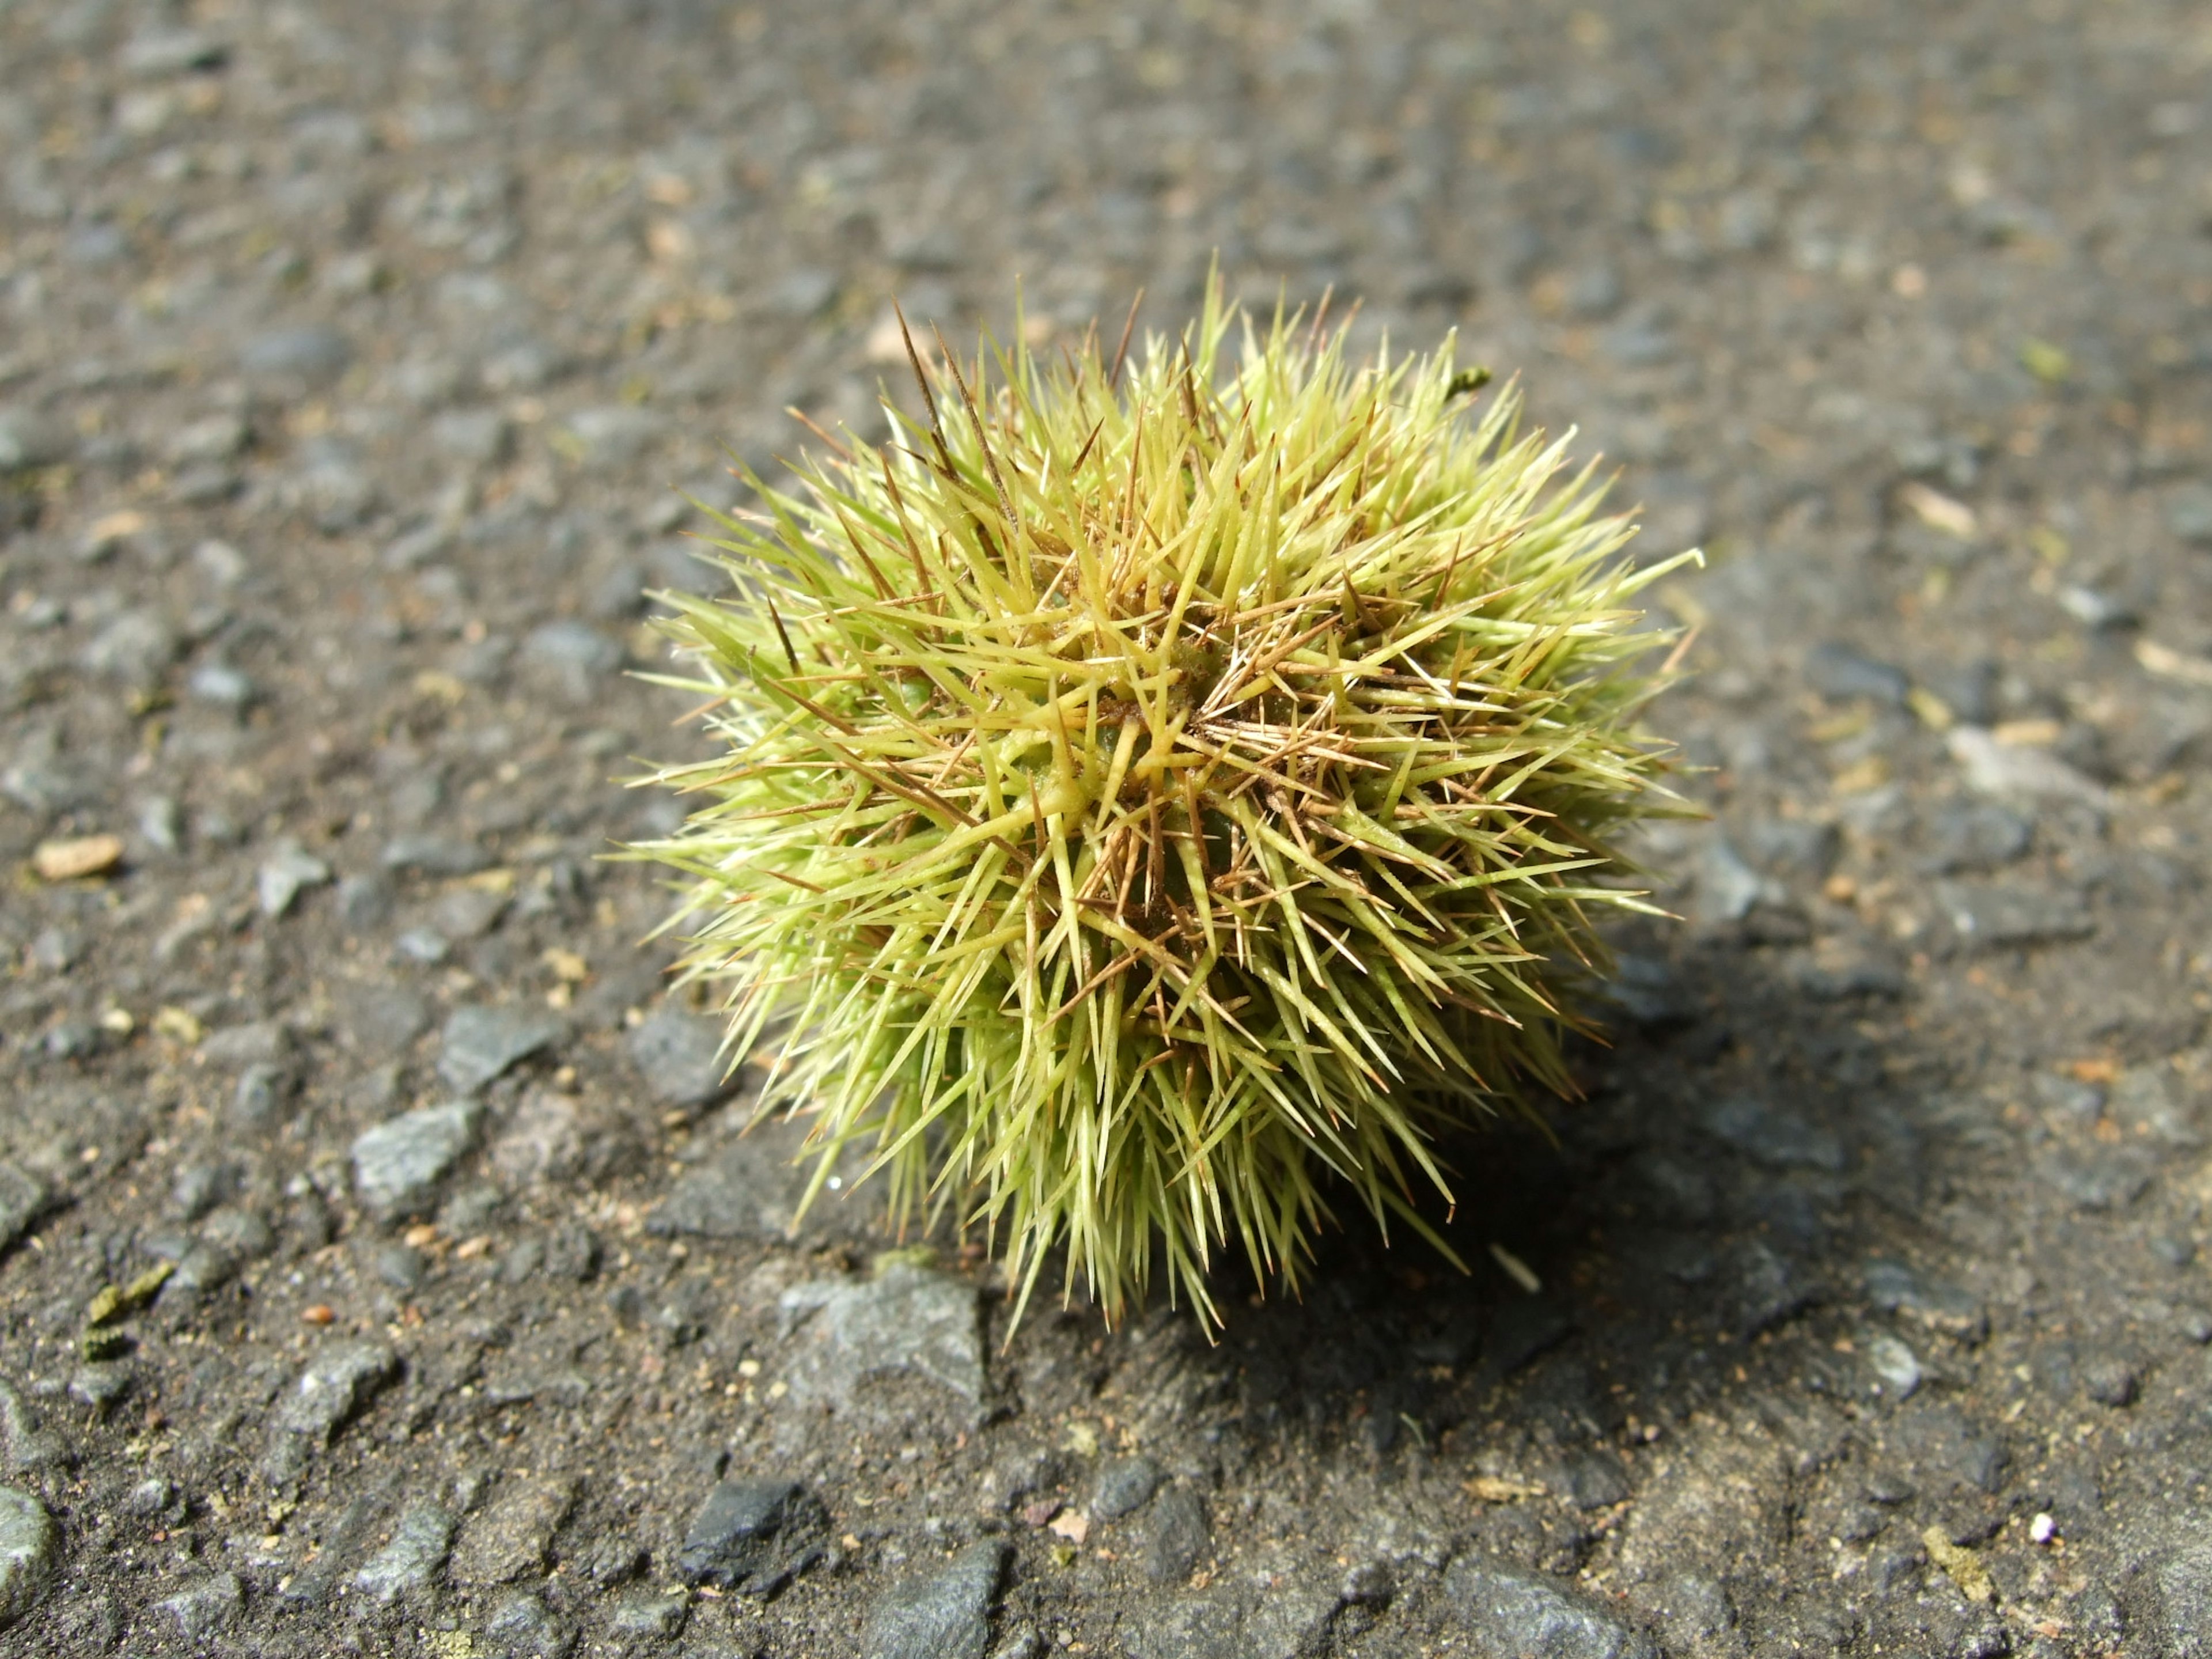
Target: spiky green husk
<point>1145,793</point>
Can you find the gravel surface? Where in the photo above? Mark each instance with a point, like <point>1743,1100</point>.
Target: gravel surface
<point>381,1272</point>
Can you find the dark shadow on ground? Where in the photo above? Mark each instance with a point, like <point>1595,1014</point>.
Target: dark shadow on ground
<point>1741,1184</point>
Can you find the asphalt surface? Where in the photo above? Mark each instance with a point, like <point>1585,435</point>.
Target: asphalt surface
<point>383,1270</point>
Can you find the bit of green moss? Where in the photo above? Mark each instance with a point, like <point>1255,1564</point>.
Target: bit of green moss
<point>111,1301</point>
<point>144,1288</point>
<point>1148,793</point>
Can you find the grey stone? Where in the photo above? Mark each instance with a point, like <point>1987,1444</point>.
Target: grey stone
<point>205,484</point>
<point>364,902</point>
<point>1835,974</point>
<point>424,944</point>
<point>1769,1288</point>
<point>2168,1595</point>
<point>56,949</point>
<point>260,1096</point>
<point>908,1321</point>
<point>2189,513</point>
<point>262,1042</point>
<point>479,1044</point>
<point>1594,292</point>
<point>23,1200</point>
<point>400,1266</point>
<point>1521,1331</point>
<point>285,874</point>
<point>150,1496</point>
<point>572,1253</point>
<point>377,1021</point>
<point>331,1387</point>
<point>523,366</point>
<point>1175,1535</point>
<point>1640,339</point>
<point>330,482</point>
<point>575,656</point>
<point>211,438</point>
<point>752,1536</point>
<point>30,440</point>
<point>2016,772</point>
<point>468,912</point>
<point>210,1606</point>
<point>1773,1136</point>
<point>1803,848</point>
<point>160,824</point>
<point>1645,990</point>
<point>544,1141</point>
<point>1837,671</point>
<point>1975,836</point>
<point>1895,1366</point>
<point>159,51</point>
<point>303,358</point>
<point>481,437</point>
<point>202,1270</point>
<point>2146,1106</point>
<point>398,1164</point>
<point>434,855</point>
<point>649,1613</point>
<point>2098,1178</point>
<point>2111,1379</point>
<point>241,1233</point>
<point>1895,1288</point>
<point>219,683</point>
<point>1947,1450</point>
<point>751,1188</point>
<point>1206,1626</point>
<point>1507,1612</point>
<point>135,647</point>
<point>1593,1481</point>
<point>802,292</point>
<point>26,1553</point>
<point>616,1560</point>
<point>1694,1615</point>
<point>523,1627</point>
<point>508,1538</point>
<point>407,1565</point>
<point>31,1445</point>
<point>1125,1485</point>
<point>611,436</point>
<point>679,1056</point>
<point>96,245</point>
<point>1997,915</point>
<point>2093,608</point>
<point>941,1613</point>
<point>1728,886</point>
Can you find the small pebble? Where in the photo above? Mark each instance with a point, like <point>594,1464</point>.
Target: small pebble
<point>77,857</point>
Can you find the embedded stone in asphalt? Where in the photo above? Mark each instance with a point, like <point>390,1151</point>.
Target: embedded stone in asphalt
<point>407,1565</point>
<point>1507,1612</point>
<point>940,1613</point>
<point>907,1320</point>
<point>679,1056</point>
<point>399,1163</point>
<point>26,1553</point>
<point>480,1043</point>
<point>752,1536</point>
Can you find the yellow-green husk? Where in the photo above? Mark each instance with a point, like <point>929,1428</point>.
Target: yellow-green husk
<point>1151,791</point>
